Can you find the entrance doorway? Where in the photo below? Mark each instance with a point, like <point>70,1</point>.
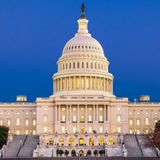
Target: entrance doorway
<point>81,141</point>
<point>81,153</point>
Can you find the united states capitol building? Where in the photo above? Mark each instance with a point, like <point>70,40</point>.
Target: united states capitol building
<point>83,110</point>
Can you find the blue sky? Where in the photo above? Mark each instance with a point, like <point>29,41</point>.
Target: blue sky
<point>33,33</point>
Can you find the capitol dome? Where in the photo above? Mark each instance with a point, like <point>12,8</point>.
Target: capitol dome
<point>83,43</point>
<point>83,67</point>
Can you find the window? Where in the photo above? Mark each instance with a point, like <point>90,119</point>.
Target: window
<point>26,131</point>
<point>27,122</point>
<point>100,129</point>
<point>9,122</point>
<point>78,65</point>
<point>45,118</point>
<point>82,118</point>
<point>17,132</point>
<point>87,65</point>
<point>90,118</point>
<point>34,132</point>
<point>74,118</point>
<point>34,122</point>
<point>45,109</point>
<point>63,129</point>
<point>45,129</point>
<point>73,65</point>
<point>90,129</point>
<point>74,129</point>
<point>131,122</point>
<point>118,118</point>
<point>17,121</point>
<point>138,122</point>
<point>146,121</point>
<point>138,132</point>
<point>1,122</point>
<point>82,65</point>
<point>69,65</point>
<point>100,118</point>
<point>63,118</point>
<point>147,131</point>
<point>119,129</point>
<point>131,131</point>
<point>34,113</point>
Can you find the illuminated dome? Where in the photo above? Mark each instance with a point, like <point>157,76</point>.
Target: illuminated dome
<point>83,67</point>
<point>83,43</point>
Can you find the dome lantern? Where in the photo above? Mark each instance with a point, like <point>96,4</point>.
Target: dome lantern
<point>82,21</point>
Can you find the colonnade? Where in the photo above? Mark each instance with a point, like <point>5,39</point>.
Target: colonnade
<point>83,83</point>
<point>95,111</point>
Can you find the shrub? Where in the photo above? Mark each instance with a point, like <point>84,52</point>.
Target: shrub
<point>73,153</point>
<point>95,152</point>
<point>66,152</point>
<point>89,152</point>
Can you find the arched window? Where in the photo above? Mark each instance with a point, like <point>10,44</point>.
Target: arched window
<point>74,65</point>
<point>87,65</point>
<point>66,66</point>
<point>82,65</point>
<point>61,141</point>
<point>98,66</point>
<point>91,65</point>
<point>78,65</point>
<point>45,118</point>
<point>71,141</point>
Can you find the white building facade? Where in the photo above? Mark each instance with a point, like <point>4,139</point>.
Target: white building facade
<point>83,109</point>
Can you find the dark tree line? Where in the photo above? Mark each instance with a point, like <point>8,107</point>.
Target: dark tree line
<point>3,135</point>
<point>156,135</point>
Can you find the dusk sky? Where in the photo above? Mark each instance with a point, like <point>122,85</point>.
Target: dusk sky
<point>34,32</point>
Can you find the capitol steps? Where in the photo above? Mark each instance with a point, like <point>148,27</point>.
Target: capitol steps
<point>147,149</point>
<point>13,147</point>
<point>132,146</point>
<point>29,146</point>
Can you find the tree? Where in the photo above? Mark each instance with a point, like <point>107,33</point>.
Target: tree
<point>95,152</point>
<point>3,135</point>
<point>61,152</point>
<point>73,153</point>
<point>57,152</point>
<point>89,152</point>
<point>102,152</point>
<point>156,135</point>
<point>66,152</point>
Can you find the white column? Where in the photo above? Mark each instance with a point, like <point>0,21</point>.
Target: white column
<point>70,112</point>
<point>104,113</point>
<point>104,84</point>
<point>55,113</point>
<point>86,118</point>
<point>59,112</point>
<point>78,114</point>
<point>67,113</point>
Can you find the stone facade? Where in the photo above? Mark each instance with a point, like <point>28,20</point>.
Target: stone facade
<point>83,109</point>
